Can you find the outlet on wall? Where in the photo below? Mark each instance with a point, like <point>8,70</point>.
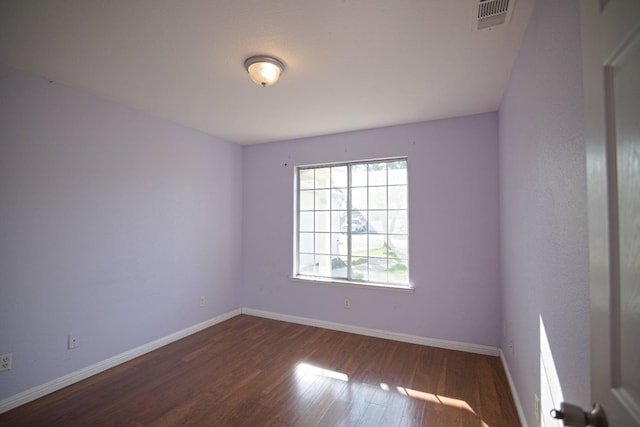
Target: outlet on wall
<point>347,303</point>
<point>5,361</point>
<point>72,342</point>
<point>202,301</point>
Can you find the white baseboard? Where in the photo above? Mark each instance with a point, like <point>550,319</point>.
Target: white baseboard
<point>514,392</point>
<point>378,333</point>
<point>66,380</point>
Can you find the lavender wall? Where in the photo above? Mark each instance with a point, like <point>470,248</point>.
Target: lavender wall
<point>453,214</point>
<point>543,207</point>
<point>113,224</point>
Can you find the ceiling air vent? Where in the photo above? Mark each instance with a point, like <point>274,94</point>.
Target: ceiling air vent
<point>493,12</point>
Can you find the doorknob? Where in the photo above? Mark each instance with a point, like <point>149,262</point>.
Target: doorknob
<point>574,416</point>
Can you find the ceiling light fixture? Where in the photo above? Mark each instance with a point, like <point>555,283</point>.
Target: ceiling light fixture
<point>264,70</point>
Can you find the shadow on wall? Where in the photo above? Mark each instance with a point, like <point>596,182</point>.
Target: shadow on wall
<point>550,388</point>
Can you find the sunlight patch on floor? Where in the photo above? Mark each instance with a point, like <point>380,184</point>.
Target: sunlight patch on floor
<point>305,373</point>
<point>305,368</point>
<point>434,398</point>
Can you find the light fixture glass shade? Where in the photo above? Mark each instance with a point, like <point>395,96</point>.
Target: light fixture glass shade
<point>264,70</point>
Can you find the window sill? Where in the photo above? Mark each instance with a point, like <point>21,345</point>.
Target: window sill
<point>329,281</point>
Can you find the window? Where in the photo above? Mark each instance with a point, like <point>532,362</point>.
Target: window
<point>352,222</point>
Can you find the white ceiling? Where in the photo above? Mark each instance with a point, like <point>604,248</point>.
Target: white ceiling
<point>350,64</point>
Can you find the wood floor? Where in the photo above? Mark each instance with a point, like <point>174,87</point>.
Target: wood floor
<point>249,371</point>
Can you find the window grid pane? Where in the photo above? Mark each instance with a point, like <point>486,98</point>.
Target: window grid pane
<point>352,222</point>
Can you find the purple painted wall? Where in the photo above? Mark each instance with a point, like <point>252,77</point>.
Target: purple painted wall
<point>113,224</point>
<point>543,206</point>
<point>453,214</point>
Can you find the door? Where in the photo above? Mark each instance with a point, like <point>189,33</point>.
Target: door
<point>611,60</point>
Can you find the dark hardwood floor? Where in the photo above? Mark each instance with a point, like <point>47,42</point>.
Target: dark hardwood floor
<point>249,371</point>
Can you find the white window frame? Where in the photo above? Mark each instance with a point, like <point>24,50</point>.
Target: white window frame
<point>349,279</point>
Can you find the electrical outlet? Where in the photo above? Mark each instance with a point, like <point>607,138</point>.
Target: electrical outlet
<point>347,303</point>
<point>5,362</point>
<point>537,406</point>
<point>202,301</point>
<point>72,342</point>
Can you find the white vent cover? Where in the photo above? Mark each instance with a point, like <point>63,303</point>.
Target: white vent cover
<point>492,12</point>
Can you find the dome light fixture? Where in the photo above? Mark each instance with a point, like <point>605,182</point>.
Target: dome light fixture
<point>264,70</point>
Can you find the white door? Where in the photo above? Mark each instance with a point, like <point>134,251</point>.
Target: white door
<point>611,59</point>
